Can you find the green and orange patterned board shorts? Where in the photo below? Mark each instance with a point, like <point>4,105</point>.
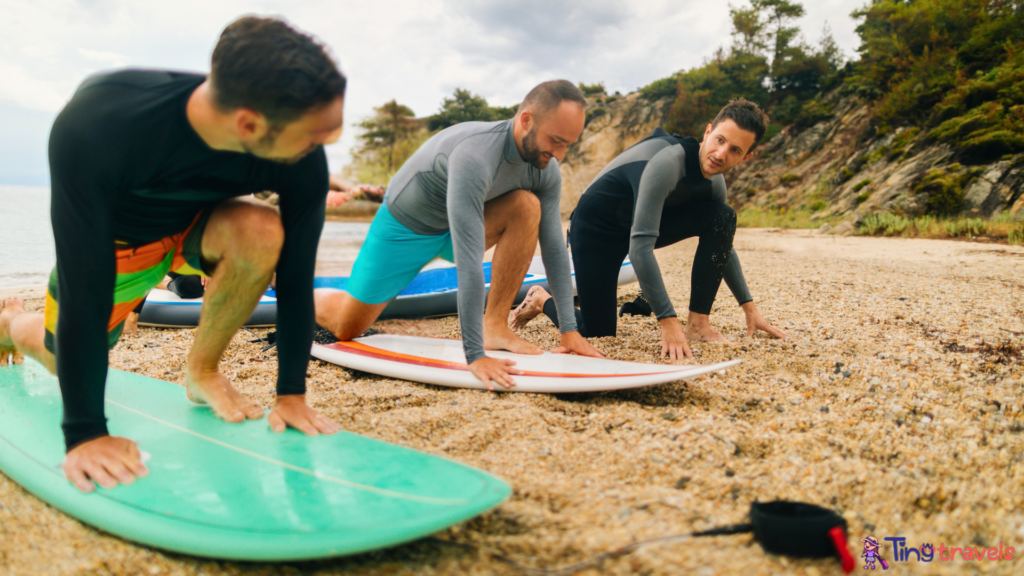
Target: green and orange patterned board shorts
<point>139,270</point>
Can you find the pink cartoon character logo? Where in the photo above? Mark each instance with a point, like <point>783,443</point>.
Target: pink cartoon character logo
<point>870,554</point>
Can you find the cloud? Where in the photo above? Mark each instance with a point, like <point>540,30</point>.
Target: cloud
<point>22,89</point>
<point>108,58</point>
<point>416,51</point>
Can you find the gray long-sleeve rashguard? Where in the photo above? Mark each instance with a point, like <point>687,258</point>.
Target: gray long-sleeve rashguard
<point>660,163</point>
<point>444,186</point>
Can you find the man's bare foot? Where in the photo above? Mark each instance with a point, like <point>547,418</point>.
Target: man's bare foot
<point>706,334</point>
<point>530,308</point>
<point>503,338</point>
<point>9,308</point>
<point>213,388</point>
<point>131,324</point>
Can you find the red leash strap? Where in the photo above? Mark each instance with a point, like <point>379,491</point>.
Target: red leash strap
<point>839,540</point>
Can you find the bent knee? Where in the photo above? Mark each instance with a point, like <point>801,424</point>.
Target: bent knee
<point>725,217</point>
<point>256,226</point>
<point>526,203</point>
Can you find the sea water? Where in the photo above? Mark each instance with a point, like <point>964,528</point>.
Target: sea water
<point>26,239</point>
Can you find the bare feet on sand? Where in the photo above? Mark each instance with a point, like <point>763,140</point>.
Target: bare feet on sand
<point>9,308</point>
<point>131,325</point>
<point>213,388</point>
<point>500,337</point>
<point>530,308</point>
<point>706,333</point>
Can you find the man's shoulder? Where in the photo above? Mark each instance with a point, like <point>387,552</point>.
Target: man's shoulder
<point>140,79</point>
<point>474,136</point>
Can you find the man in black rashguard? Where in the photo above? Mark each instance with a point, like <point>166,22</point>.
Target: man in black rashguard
<point>149,172</point>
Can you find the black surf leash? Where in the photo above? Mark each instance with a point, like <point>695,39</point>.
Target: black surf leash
<point>785,528</point>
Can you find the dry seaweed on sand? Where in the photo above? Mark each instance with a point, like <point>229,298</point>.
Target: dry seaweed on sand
<point>897,401</point>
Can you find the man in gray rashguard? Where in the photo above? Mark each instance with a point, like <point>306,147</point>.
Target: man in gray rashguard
<point>470,187</point>
<point>658,192</point>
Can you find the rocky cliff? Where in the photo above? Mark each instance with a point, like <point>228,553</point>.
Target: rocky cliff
<point>614,123</point>
<point>839,168</point>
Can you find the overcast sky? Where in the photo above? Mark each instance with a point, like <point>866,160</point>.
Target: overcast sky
<point>417,51</point>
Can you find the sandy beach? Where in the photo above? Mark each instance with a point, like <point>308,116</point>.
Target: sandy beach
<point>897,402</point>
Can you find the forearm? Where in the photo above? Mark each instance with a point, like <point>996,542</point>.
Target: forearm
<point>641,254</point>
<point>735,280</point>
<point>556,265</point>
<point>295,310</point>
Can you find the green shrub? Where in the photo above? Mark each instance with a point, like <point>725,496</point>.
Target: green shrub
<point>885,223</point>
<point>594,113</point>
<point>945,192</point>
<point>900,142</point>
<point>967,228</point>
<point>661,88</point>
<point>861,198</point>
<point>923,223</point>
<point>1016,236</point>
<point>818,205</point>
<point>790,178</point>
<point>592,89</point>
<point>860,185</point>
<point>812,112</point>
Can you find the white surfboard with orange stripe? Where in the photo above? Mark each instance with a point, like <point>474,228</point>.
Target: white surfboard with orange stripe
<point>443,362</point>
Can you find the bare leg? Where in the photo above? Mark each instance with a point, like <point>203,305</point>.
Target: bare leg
<point>244,240</point>
<point>23,332</point>
<point>131,324</point>
<point>511,223</point>
<point>342,314</point>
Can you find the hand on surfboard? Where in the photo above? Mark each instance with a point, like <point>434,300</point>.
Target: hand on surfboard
<point>574,343</point>
<point>757,322</point>
<point>292,410</point>
<point>673,341</point>
<point>107,460</point>
<point>489,370</point>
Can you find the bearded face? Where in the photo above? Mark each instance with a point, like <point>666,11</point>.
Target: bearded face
<point>532,152</point>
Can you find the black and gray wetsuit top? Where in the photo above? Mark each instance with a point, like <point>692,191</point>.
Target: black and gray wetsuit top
<point>444,187</point>
<point>660,172</point>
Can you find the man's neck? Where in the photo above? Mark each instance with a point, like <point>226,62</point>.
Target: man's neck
<point>700,160</point>
<point>208,122</point>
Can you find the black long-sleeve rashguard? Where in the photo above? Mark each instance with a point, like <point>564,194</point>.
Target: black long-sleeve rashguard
<point>126,165</point>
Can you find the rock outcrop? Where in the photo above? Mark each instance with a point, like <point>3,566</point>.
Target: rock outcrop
<point>614,123</point>
<point>839,167</point>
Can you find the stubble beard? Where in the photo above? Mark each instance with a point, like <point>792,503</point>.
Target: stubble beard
<point>532,153</point>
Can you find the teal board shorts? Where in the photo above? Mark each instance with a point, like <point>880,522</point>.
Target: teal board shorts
<point>391,256</point>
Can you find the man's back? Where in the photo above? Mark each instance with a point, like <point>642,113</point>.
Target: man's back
<point>481,157</point>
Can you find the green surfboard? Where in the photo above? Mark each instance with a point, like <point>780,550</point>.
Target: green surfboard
<point>236,491</point>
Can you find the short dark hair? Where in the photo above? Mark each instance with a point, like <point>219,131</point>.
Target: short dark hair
<point>547,96</point>
<point>747,115</point>
<point>266,65</point>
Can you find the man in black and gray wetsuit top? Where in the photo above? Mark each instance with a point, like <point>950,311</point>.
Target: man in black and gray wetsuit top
<point>470,187</point>
<point>660,191</point>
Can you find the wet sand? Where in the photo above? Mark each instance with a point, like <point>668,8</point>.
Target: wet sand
<point>897,401</point>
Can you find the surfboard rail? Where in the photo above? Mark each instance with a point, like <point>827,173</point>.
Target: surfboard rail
<point>442,362</point>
